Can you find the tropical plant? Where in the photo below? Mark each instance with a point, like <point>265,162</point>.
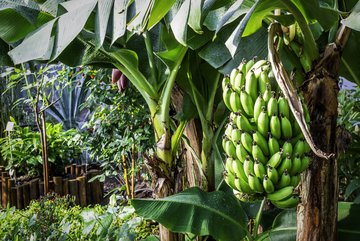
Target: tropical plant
<point>349,161</point>
<point>118,121</point>
<point>22,150</point>
<point>237,28</point>
<point>56,218</point>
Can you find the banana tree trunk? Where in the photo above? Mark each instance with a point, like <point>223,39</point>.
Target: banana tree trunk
<point>317,213</point>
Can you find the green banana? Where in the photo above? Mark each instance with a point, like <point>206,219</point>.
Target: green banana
<point>272,174</point>
<point>242,66</point>
<point>273,145</point>
<point>305,163</point>
<point>241,152</point>
<point>258,154</point>
<point>272,105</point>
<point>229,165</point>
<point>286,164</point>
<point>267,94</point>
<point>275,127</point>
<point>286,128</point>
<point>263,80</point>
<point>229,179</point>
<point>295,165</point>
<point>260,63</point>
<point>286,39</point>
<point>295,180</point>
<point>239,81</point>
<point>306,62</point>
<point>243,123</point>
<point>261,141</point>
<point>250,64</point>
<point>307,147</point>
<point>251,85</point>
<point>248,166</point>
<point>230,149</point>
<point>258,71</point>
<point>259,169</point>
<point>287,148</point>
<point>275,159</point>
<point>235,103</point>
<point>299,148</point>
<point>238,169</point>
<point>263,123</point>
<point>235,135</point>
<point>258,107</point>
<point>268,185</point>
<point>247,102</point>
<point>284,108</point>
<point>228,130</point>
<point>237,184</point>
<point>255,184</point>
<point>306,113</point>
<point>280,194</point>
<point>233,75</point>
<point>246,140</point>
<point>233,117</point>
<point>226,96</point>
<point>290,202</point>
<point>225,82</point>
<point>244,186</point>
<point>284,181</point>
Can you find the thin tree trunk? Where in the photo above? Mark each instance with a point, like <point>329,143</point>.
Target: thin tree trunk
<point>317,213</point>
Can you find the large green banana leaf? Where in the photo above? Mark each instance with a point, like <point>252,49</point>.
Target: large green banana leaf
<point>197,212</point>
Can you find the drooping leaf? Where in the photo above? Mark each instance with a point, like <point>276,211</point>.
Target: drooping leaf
<point>195,211</point>
<point>349,67</point>
<point>227,18</point>
<point>159,10</point>
<point>119,19</point>
<point>38,45</point>
<point>179,22</point>
<point>104,8</point>
<point>195,15</point>
<point>353,21</point>
<point>71,23</point>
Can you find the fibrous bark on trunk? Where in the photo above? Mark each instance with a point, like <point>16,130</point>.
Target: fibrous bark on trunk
<point>317,213</point>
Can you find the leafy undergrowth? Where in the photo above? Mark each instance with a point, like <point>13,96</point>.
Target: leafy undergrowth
<point>55,218</point>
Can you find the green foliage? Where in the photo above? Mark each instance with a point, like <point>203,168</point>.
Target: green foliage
<point>22,151</point>
<point>55,218</point>
<point>197,212</point>
<point>349,162</point>
<point>118,121</point>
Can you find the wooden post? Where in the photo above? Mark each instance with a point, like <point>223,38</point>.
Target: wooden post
<point>19,197</point>
<point>34,189</point>
<point>10,184</point>
<point>68,169</point>
<point>58,185</point>
<point>78,170</point>
<point>74,189</point>
<point>82,191</point>
<point>96,190</point>
<point>26,194</point>
<point>41,188</point>
<point>73,170</point>
<point>13,197</point>
<point>88,188</point>
<point>4,189</point>
<point>66,187</point>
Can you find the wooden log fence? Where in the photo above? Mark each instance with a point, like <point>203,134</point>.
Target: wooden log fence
<point>76,183</point>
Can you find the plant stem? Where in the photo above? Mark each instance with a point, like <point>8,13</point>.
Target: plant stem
<point>150,54</point>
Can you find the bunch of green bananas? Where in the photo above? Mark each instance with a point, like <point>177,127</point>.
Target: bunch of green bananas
<point>265,149</point>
